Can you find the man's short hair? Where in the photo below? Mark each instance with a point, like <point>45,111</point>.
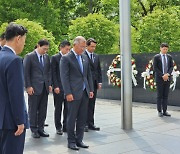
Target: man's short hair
<point>14,30</point>
<point>43,42</point>
<point>164,45</point>
<point>88,42</point>
<point>64,43</point>
<point>2,37</point>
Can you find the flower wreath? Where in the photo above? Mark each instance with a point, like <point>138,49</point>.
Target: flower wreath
<point>149,80</point>
<point>115,67</point>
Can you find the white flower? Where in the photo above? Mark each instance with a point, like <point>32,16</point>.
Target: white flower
<point>175,67</point>
<point>149,66</point>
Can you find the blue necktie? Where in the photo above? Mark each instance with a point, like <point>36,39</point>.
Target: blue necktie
<point>81,67</point>
<point>80,62</point>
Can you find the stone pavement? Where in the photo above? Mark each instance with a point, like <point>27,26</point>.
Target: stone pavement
<point>150,134</point>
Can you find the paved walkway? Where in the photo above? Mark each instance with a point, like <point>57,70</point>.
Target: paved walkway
<point>150,134</point>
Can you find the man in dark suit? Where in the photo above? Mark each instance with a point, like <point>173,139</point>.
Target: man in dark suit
<point>58,91</point>
<point>163,67</point>
<point>37,75</point>
<point>78,87</point>
<point>2,40</point>
<point>13,114</point>
<point>97,81</point>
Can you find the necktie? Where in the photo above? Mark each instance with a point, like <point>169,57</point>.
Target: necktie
<point>41,61</point>
<point>92,58</point>
<point>165,64</point>
<point>80,62</point>
<point>81,67</point>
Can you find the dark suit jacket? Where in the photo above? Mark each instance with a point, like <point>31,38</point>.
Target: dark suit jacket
<point>12,105</point>
<point>55,69</point>
<point>95,68</point>
<point>157,64</point>
<point>34,75</point>
<point>71,76</point>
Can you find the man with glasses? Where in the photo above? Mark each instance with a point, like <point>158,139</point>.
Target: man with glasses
<point>77,83</point>
<point>37,75</point>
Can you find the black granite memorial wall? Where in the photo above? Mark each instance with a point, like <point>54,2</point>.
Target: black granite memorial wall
<point>139,93</point>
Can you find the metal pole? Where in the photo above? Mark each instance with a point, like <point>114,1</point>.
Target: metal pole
<point>126,69</point>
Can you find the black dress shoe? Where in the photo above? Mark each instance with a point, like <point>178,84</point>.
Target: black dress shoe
<point>166,114</point>
<point>59,132</point>
<point>73,146</point>
<point>86,129</point>
<point>94,128</point>
<point>82,145</point>
<point>160,114</point>
<point>43,133</point>
<point>35,135</point>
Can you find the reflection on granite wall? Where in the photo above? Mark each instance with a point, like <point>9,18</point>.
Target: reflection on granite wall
<point>139,94</point>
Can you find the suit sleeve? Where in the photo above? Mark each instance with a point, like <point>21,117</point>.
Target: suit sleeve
<point>155,67</point>
<point>16,91</point>
<point>65,75</point>
<point>99,72</point>
<point>54,72</point>
<point>171,65</point>
<point>90,80</point>
<point>27,71</point>
<point>49,72</point>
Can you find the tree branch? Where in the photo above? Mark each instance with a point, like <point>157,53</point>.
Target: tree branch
<point>143,7</point>
<point>151,7</point>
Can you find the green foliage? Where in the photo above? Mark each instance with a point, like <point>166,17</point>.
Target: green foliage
<point>134,44</point>
<point>56,15</point>
<point>160,26</point>
<point>35,33</point>
<point>97,27</point>
<point>134,37</point>
<point>41,11</point>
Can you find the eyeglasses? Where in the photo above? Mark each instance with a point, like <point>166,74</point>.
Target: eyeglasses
<point>82,47</point>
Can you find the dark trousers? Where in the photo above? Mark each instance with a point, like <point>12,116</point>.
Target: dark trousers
<point>162,95</point>
<point>91,107</point>
<point>38,110</point>
<point>59,100</point>
<point>11,144</point>
<point>77,115</point>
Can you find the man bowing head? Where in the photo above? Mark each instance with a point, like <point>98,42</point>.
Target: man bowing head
<point>13,114</point>
<point>77,83</point>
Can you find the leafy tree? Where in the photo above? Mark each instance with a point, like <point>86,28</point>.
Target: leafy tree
<point>160,26</point>
<point>35,33</point>
<point>98,27</point>
<point>141,8</point>
<point>42,11</point>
